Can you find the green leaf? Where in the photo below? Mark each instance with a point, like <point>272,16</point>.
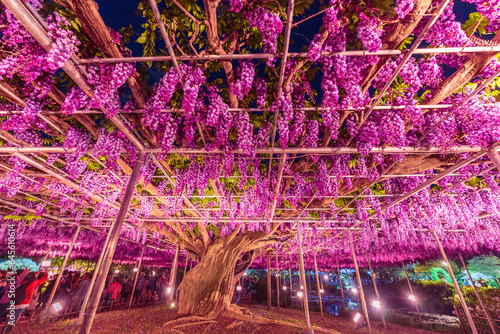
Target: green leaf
<point>406,43</point>
<point>143,38</point>
<point>476,22</point>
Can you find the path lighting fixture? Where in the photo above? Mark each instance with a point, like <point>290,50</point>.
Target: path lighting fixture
<point>238,288</point>
<point>154,273</point>
<point>411,297</point>
<point>57,307</point>
<point>302,287</point>
<point>354,290</point>
<point>376,304</point>
<point>321,291</point>
<point>245,273</point>
<point>284,288</point>
<point>136,270</point>
<point>299,294</point>
<point>326,277</point>
<point>357,317</point>
<point>117,271</point>
<point>46,263</point>
<point>169,290</point>
<point>172,305</point>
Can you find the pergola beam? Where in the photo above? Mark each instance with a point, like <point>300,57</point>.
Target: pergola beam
<point>273,150</point>
<point>234,110</point>
<point>353,53</point>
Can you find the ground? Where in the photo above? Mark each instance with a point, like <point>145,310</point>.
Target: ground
<point>150,320</point>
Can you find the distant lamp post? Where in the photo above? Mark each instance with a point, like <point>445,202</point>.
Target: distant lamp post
<point>376,303</point>
<point>411,297</point>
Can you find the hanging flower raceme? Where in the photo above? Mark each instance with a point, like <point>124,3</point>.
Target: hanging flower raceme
<point>270,26</point>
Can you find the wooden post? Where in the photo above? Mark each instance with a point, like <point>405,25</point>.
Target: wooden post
<point>376,289</point>
<point>43,315</point>
<point>308,329</point>
<point>277,280</point>
<point>115,230</point>
<point>318,283</point>
<point>136,277</point>
<point>361,293</point>
<point>455,283</point>
<point>486,314</point>
<point>173,274</point>
<point>291,288</point>
<point>269,280</point>
<point>411,291</point>
<point>185,265</point>
<point>93,279</point>
<point>341,285</point>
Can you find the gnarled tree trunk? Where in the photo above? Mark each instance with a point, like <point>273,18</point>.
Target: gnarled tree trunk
<point>208,288</point>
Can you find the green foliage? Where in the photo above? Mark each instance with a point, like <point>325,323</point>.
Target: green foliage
<point>439,274</point>
<point>476,22</point>
<point>488,265</point>
<point>427,267</point>
<point>406,42</point>
<point>431,289</point>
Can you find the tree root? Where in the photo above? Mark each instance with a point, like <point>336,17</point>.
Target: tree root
<point>235,323</point>
<point>257,319</point>
<point>195,323</point>
<point>188,318</point>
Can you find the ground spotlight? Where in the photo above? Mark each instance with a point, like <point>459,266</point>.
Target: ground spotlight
<point>57,307</point>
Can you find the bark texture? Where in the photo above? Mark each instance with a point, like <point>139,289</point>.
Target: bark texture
<point>208,288</point>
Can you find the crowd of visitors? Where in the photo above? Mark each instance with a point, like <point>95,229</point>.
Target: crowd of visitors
<point>32,292</point>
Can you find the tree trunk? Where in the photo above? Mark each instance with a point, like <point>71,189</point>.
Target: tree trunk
<point>208,288</point>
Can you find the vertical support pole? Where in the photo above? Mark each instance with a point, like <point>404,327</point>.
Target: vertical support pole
<point>291,288</point>
<point>486,314</point>
<point>318,283</point>
<point>375,288</point>
<point>455,283</point>
<point>308,329</point>
<point>136,277</point>
<point>173,273</point>
<point>341,285</point>
<point>411,291</point>
<point>43,315</point>
<point>277,280</point>
<point>361,293</point>
<point>111,247</point>
<point>185,265</point>
<point>94,277</point>
<point>269,279</point>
